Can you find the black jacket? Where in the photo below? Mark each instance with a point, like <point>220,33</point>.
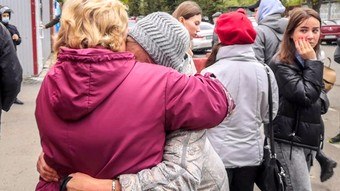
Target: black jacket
<point>10,70</point>
<point>13,30</point>
<point>337,52</point>
<point>298,121</point>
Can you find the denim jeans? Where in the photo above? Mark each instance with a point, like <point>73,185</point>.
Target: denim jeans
<point>296,168</point>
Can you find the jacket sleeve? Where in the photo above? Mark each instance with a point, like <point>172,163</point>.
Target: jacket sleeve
<point>53,22</point>
<point>17,42</point>
<point>299,86</point>
<point>275,98</point>
<point>180,169</point>
<point>10,69</point>
<point>324,102</point>
<point>195,102</point>
<point>258,46</point>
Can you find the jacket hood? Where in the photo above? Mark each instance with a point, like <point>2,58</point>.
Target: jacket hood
<point>83,78</point>
<point>269,7</point>
<point>276,23</point>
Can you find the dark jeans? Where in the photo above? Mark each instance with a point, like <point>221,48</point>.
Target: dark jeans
<point>243,178</point>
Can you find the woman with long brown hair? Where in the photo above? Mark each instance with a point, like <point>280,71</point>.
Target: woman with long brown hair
<point>189,13</point>
<point>298,125</point>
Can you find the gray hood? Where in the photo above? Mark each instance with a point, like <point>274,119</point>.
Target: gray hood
<point>276,23</point>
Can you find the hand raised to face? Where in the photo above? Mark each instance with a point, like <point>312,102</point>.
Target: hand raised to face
<point>305,49</point>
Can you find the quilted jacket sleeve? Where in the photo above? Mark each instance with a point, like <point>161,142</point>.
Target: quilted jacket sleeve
<point>180,169</point>
<point>189,163</point>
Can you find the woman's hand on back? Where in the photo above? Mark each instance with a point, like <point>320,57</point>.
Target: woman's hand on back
<point>46,172</point>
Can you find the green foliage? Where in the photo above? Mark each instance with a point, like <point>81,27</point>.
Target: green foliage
<point>134,6</point>
<point>290,3</point>
<point>209,7</point>
<point>239,3</point>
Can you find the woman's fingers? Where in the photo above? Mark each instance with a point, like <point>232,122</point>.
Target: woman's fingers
<point>305,49</point>
<point>297,46</point>
<point>46,172</point>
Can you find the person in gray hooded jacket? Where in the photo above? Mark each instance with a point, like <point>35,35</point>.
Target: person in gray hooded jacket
<point>270,29</point>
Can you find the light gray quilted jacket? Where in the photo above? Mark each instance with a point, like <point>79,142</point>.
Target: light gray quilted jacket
<point>189,163</point>
<point>238,139</point>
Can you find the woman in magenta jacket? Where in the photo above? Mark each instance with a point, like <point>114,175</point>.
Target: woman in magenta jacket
<point>98,99</point>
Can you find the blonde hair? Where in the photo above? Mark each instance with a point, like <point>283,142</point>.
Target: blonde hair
<point>91,23</point>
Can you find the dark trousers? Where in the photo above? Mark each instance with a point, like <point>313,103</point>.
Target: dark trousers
<point>242,179</point>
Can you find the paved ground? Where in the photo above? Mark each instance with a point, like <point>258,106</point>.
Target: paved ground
<point>20,147</point>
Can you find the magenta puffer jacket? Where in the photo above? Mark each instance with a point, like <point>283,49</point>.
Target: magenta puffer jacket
<point>104,114</point>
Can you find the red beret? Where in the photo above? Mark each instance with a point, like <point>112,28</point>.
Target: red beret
<point>235,28</point>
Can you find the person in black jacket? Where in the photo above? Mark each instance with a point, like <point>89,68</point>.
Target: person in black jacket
<point>337,52</point>
<point>215,37</point>
<point>5,16</point>
<point>10,71</point>
<point>336,139</point>
<point>298,72</point>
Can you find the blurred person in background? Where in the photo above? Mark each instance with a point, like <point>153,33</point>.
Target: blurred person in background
<point>56,19</point>
<point>254,8</point>
<point>215,37</point>
<point>10,71</point>
<point>336,139</point>
<point>270,29</point>
<point>5,16</point>
<point>189,13</point>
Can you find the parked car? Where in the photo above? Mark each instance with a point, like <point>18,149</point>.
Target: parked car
<point>131,23</point>
<point>203,40</point>
<point>330,31</point>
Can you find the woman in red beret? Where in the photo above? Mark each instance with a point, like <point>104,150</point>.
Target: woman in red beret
<point>239,139</point>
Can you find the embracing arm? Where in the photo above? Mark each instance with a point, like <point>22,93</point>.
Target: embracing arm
<point>180,169</point>
<point>78,182</point>
<point>195,102</point>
